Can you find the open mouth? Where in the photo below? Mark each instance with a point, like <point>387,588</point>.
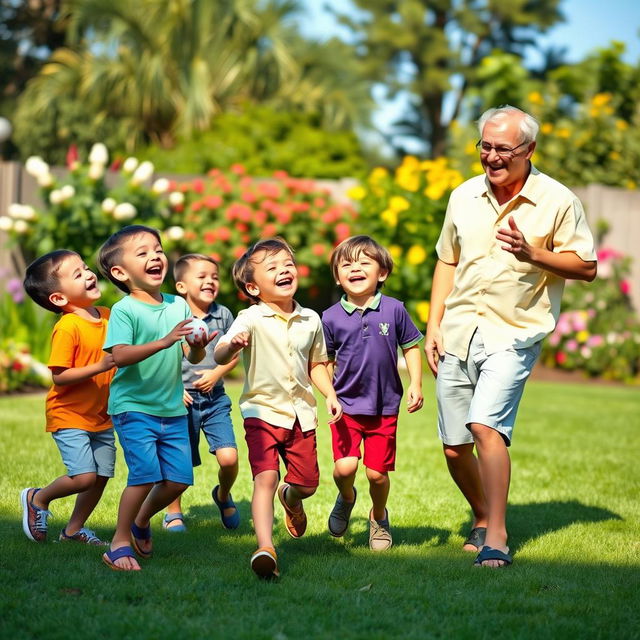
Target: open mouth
<point>155,271</point>
<point>208,290</point>
<point>357,279</point>
<point>92,285</point>
<point>284,282</point>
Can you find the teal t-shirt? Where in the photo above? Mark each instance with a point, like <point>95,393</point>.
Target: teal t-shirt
<point>153,385</point>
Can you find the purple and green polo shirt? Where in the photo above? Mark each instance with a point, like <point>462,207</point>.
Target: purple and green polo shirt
<point>364,344</point>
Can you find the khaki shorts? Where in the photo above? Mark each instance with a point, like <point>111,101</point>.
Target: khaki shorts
<point>483,389</point>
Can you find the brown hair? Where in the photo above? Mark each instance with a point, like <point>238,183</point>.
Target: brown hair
<point>111,251</point>
<point>183,262</point>
<point>351,248</point>
<point>41,278</point>
<point>243,268</point>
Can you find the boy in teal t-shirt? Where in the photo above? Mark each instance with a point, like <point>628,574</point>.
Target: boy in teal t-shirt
<point>145,402</point>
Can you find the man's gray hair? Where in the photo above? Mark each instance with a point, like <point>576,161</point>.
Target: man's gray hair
<point>528,124</point>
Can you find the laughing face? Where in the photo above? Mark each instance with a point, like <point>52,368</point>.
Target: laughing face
<point>275,277</point>
<point>360,276</point>
<point>143,264</point>
<point>199,284</point>
<point>506,165</point>
<point>77,284</point>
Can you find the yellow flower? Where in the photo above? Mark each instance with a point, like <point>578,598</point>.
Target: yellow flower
<point>395,251</point>
<point>476,167</point>
<point>614,155</point>
<point>422,309</point>
<point>546,128</point>
<point>622,125</point>
<point>379,173</point>
<point>435,191</point>
<point>411,227</point>
<point>631,184</point>
<point>357,193</point>
<point>390,217</point>
<point>470,149</point>
<point>409,180</point>
<point>582,336</point>
<point>410,162</point>
<point>535,97</point>
<point>416,255</point>
<point>563,132</point>
<point>398,203</point>
<point>600,99</point>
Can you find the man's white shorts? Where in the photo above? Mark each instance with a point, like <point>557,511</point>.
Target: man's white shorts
<point>483,389</point>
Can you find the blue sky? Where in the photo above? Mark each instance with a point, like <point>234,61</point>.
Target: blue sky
<point>589,24</point>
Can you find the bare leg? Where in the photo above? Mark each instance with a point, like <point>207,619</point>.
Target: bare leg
<point>379,486</point>
<point>463,467</point>
<point>228,460</point>
<point>162,494</point>
<point>296,493</point>
<point>62,487</point>
<point>265,485</point>
<point>130,503</point>
<point>495,470</point>
<point>85,504</point>
<point>344,475</point>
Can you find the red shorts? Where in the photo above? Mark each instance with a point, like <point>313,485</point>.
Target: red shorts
<point>296,447</point>
<point>378,433</point>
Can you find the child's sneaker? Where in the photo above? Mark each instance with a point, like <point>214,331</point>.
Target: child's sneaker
<point>34,519</point>
<point>84,536</point>
<point>379,534</point>
<point>264,563</point>
<point>340,515</point>
<point>296,521</point>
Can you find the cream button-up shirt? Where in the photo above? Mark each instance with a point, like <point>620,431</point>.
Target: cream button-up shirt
<point>514,304</point>
<point>277,386</point>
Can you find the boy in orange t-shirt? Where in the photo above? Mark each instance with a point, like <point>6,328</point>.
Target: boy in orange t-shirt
<point>76,405</point>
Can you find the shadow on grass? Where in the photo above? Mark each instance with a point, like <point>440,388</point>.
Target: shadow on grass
<point>529,521</point>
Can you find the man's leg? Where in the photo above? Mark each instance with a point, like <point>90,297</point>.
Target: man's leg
<point>494,465</point>
<point>464,469</point>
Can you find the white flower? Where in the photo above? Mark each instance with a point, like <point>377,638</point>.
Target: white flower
<point>96,171</point>
<point>35,166</point>
<point>20,226</point>
<point>56,197</point>
<point>124,211</point>
<point>99,154</point>
<point>67,192</point>
<point>6,223</point>
<point>142,173</point>
<point>15,210</point>
<point>130,164</point>
<point>45,179</point>
<point>175,233</point>
<point>176,198</point>
<point>21,211</point>
<point>108,205</point>
<point>161,185</point>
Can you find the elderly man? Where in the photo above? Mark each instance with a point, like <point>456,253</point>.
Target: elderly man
<point>509,240</point>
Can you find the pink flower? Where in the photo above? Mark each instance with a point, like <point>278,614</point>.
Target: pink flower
<point>238,169</point>
<point>198,185</point>
<point>554,339</point>
<point>625,287</point>
<point>212,202</point>
<point>342,231</point>
<point>249,197</point>
<point>595,341</point>
<point>571,345</point>
<point>269,190</point>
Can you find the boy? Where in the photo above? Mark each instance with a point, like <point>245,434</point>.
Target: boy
<point>145,402</point>
<point>197,280</point>
<point>284,352</point>
<point>363,332</point>
<point>76,405</point>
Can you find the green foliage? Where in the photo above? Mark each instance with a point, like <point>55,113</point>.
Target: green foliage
<point>404,212</point>
<point>264,140</point>
<point>598,331</point>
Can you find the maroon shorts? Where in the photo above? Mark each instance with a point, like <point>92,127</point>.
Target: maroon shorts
<point>296,447</point>
<point>378,433</point>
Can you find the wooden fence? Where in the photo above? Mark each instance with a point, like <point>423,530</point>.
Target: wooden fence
<point>618,208</point>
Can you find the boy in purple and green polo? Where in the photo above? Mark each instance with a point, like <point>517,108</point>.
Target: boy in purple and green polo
<point>363,332</point>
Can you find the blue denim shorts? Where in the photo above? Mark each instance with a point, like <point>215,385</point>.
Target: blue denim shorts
<point>483,389</point>
<point>210,412</point>
<point>87,451</point>
<point>155,447</point>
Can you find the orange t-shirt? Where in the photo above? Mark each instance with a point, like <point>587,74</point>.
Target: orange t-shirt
<point>77,342</point>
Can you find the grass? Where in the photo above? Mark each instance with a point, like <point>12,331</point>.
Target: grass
<point>573,521</point>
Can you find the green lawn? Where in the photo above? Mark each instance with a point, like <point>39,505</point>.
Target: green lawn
<point>573,520</point>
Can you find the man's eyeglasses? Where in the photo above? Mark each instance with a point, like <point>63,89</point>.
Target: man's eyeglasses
<point>503,152</point>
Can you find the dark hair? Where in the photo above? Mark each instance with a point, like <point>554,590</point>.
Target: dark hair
<point>351,248</point>
<point>41,278</point>
<point>111,251</point>
<point>183,262</point>
<point>243,268</point>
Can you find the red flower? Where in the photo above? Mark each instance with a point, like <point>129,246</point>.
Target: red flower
<point>216,257</point>
<point>238,169</point>
<point>210,237</point>
<point>280,175</point>
<point>314,292</point>
<point>212,202</point>
<point>269,230</point>
<point>189,235</point>
<point>246,182</point>
<point>198,185</point>
<point>320,203</point>
<point>72,156</point>
<point>213,173</point>
<point>561,357</point>
<point>259,217</point>
<point>318,249</point>
<point>196,206</point>
<point>342,231</point>
<point>303,270</point>
<point>16,365</point>
<point>269,190</point>
<point>242,227</point>
<point>283,217</point>
<point>249,197</point>
<point>224,234</point>
<point>238,251</point>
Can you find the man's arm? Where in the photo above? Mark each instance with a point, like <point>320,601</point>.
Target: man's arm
<point>566,264</point>
<point>441,287</point>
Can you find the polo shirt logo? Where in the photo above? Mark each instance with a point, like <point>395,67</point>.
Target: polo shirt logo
<point>384,328</point>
